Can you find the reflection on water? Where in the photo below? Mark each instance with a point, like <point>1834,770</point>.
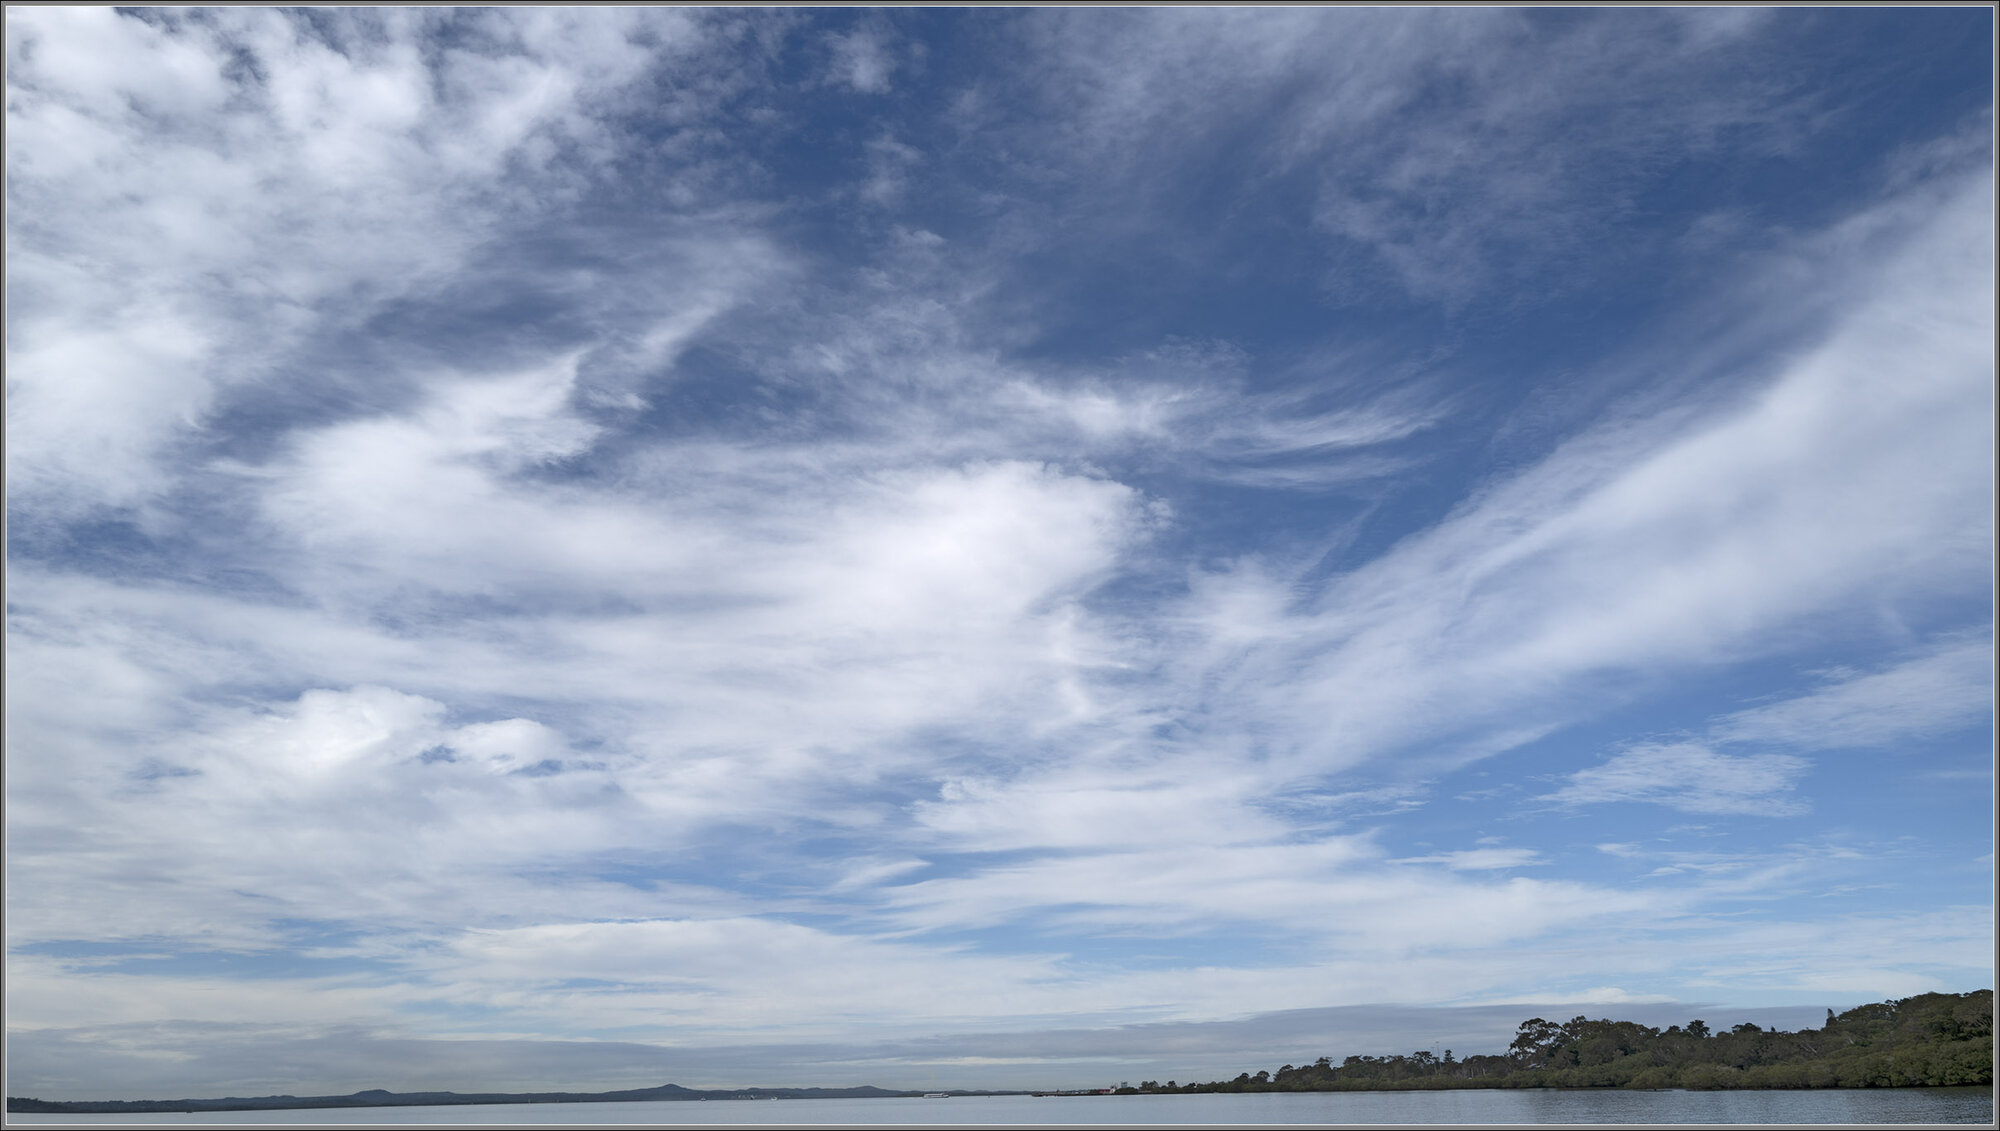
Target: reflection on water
<point>1520,1106</point>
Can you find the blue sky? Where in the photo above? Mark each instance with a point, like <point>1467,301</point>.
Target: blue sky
<point>983,547</point>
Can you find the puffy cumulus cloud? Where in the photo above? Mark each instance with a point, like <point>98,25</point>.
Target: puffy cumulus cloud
<point>331,732</point>
<point>983,543</point>
<point>427,494</point>
<point>1691,778</point>
<point>365,738</point>
<point>510,744</point>
<point>448,489</point>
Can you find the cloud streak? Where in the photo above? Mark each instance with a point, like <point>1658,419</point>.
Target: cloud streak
<point>909,537</point>
<point>1691,778</point>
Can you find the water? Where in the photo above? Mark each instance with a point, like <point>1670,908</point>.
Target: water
<point>1523,1106</point>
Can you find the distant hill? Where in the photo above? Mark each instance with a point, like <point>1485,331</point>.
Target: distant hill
<point>376,1097</point>
<point>1926,1040</point>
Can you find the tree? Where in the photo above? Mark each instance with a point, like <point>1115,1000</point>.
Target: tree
<point>1930,1039</point>
<point>1535,1041</point>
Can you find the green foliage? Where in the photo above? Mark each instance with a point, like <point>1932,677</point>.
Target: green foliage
<point>1927,1040</point>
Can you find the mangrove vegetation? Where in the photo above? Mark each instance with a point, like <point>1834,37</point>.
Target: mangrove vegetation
<point>1927,1040</point>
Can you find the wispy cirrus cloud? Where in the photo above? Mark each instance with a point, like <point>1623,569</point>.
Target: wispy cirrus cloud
<point>1430,167</point>
<point>759,527</point>
<point>286,187</point>
<point>1479,859</point>
<point>1944,687</point>
<point>1691,778</point>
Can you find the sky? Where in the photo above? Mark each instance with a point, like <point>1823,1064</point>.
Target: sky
<point>983,547</point>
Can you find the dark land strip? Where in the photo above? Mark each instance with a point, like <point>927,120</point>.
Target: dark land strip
<point>1931,1040</point>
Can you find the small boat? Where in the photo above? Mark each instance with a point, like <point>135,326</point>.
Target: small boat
<point>937,1095</point>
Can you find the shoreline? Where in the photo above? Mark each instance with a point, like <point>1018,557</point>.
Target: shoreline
<point>370,1100</point>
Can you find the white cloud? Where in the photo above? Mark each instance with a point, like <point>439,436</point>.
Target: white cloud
<point>769,648</point>
<point>642,616</point>
<point>889,163</point>
<point>1330,896</point>
<point>196,193</point>
<point>863,60</point>
<point>46,993</point>
<point>1650,544</point>
<point>1095,810</point>
<point>1946,687</point>
<point>1691,778</point>
<point>1478,859</point>
<point>740,975</point>
<point>1426,152</point>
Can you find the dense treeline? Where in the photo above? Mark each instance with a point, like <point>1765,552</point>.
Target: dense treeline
<point>1931,1039</point>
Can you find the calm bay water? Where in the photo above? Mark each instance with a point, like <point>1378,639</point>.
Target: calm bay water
<point>1906,1105</point>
